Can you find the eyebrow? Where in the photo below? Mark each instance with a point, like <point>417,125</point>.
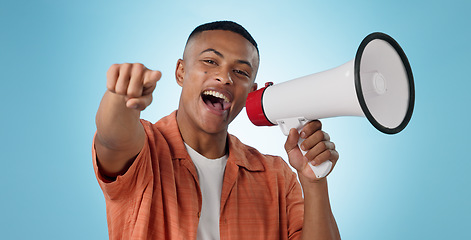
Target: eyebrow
<point>222,56</point>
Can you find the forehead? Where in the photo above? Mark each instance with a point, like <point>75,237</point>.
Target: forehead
<point>226,42</point>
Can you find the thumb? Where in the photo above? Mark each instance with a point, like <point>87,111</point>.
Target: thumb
<point>292,149</point>
<point>292,140</point>
<point>139,103</point>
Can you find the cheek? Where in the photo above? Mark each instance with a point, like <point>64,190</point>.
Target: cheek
<point>242,94</point>
<point>193,78</point>
<point>245,88</point>
<point>190,89</point>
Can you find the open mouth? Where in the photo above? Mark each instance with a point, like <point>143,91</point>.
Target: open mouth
<point>216,100</point>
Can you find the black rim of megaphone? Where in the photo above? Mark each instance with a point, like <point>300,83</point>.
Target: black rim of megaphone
<point>361,99</point>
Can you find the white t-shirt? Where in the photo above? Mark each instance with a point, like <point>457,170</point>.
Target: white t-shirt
<point>210,175</point>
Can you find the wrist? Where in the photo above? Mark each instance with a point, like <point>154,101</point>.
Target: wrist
<point>308,181</point>
<point>313,186</point>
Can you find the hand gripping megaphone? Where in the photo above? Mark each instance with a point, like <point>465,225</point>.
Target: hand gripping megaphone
<point>377,84</point>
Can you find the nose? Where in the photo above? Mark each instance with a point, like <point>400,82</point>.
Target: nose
<point>224,77</point>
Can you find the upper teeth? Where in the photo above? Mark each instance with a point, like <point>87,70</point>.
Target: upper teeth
<point>216,94</point>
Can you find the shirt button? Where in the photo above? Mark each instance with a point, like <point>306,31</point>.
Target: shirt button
<point>199,214</point>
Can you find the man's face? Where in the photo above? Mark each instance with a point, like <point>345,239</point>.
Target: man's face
<point>216,74</point>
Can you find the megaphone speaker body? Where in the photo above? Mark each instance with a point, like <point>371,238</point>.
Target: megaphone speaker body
<point>330,92</point>
<point>377,84</point>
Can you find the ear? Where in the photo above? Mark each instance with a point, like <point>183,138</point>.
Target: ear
<point>254,87</point>
<point>180,72</point>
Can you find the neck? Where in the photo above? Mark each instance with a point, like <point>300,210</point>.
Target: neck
<point>210,145</point>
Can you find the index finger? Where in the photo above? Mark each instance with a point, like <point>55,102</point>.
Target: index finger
<point>310,128</point>
<point>150,80</point>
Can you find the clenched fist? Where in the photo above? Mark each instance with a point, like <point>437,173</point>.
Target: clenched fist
<point>317,146</point>
<point>133,81</point>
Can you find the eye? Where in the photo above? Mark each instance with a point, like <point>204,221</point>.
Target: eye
<point>209,61</point>
<point>241,72</point>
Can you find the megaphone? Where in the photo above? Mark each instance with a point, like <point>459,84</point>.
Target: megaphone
<point>377,84</point>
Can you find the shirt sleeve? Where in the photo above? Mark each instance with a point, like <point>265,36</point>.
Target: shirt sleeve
<point>136,177</point>
<point>295,206</point>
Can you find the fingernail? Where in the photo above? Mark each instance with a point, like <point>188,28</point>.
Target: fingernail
<point>303,135</point>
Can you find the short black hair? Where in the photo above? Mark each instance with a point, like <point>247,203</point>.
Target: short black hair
<point>224,25</point>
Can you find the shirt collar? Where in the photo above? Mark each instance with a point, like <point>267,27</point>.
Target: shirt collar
<point>244,156</point>
<point>239,153</point>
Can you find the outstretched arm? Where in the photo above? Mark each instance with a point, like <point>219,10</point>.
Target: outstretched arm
<point>120,135</point>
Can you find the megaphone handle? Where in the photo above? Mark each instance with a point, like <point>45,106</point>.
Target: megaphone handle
<point>320,170</point>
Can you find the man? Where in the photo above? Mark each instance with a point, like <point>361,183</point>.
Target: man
<point>185,177</point>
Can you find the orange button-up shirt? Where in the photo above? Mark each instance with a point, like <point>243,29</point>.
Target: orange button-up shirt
<point>159,196</point>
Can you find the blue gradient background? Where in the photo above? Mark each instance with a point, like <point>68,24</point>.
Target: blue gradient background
<point>53,60</point>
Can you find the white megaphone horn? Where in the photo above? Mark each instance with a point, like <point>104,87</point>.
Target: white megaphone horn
<point>377,84</point>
